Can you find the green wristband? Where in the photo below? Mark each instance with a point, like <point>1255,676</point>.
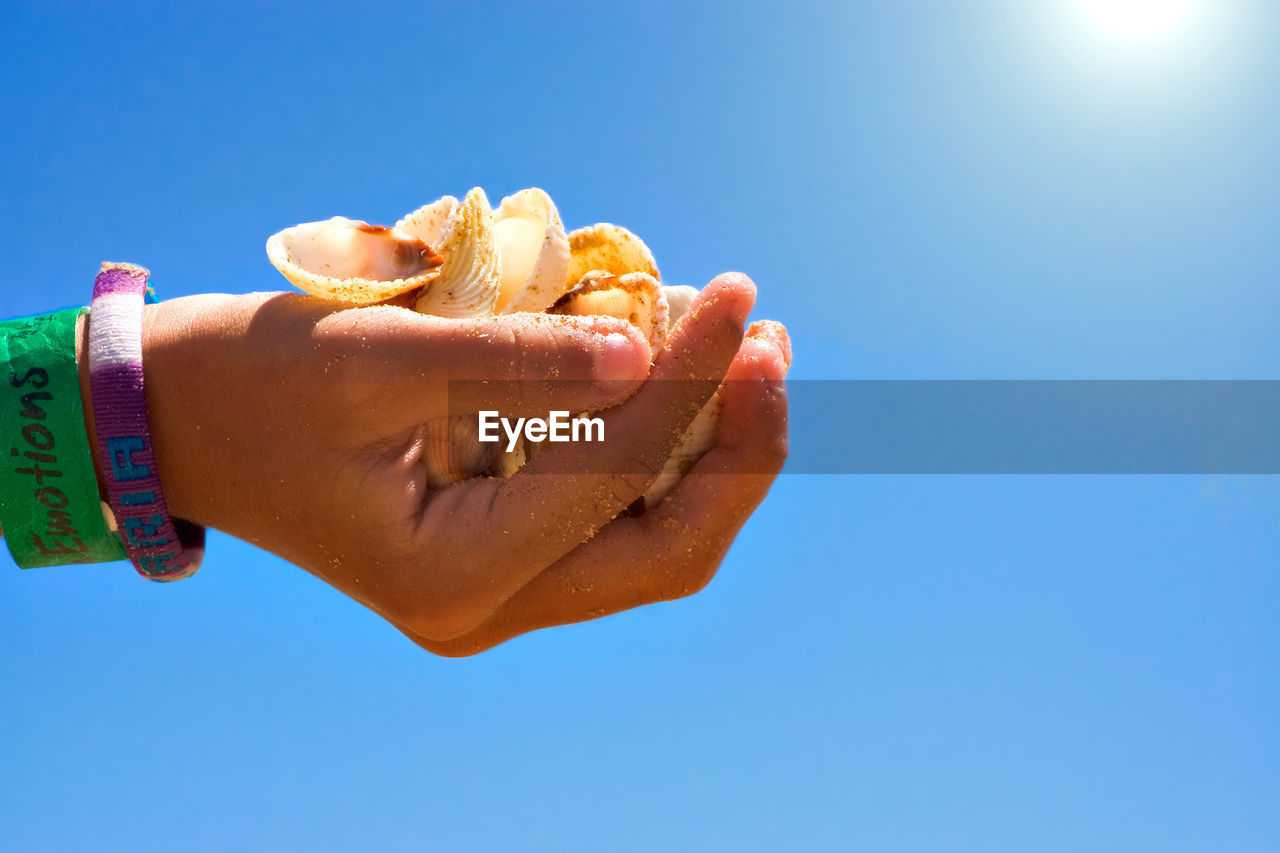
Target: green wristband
<point>49,504</point>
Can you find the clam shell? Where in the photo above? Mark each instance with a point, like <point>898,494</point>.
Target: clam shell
<point>467,285</point>
<point>427,222</point>
<point>452,450</point>
<point>515,259</point>
<point>679,298</point>
<point>635,297</point>
<point>701,432</point>
<point>611,248</point>
<point>639,299</point>
<point>697,440</point>
<point>506,463</point>
<point>534,251</point>
<point>349,260</point>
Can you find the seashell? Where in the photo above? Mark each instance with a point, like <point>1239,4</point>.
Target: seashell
<point>507,462</point>
<point>517,258</point>
<point>635,297</point>
<point>679,298</point>
<point>467,285</point>
<point>700,435</point>
<point>611,248</point>
<point>349,260</point>
<point>427,222</point>
<point>534,251</point>
<point>696,440</point>
<point>639,299</point>
<point>452,450</point>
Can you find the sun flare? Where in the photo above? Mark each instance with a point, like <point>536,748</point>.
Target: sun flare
<point>1140,19</point>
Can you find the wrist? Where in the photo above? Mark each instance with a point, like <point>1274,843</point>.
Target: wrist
<point>161,546</point>
<point>167,386</point>
<point>188,347</point>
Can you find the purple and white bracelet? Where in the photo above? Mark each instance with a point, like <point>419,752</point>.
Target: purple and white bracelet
<point>161,548</point>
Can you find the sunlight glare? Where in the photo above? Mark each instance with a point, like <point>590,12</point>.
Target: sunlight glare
<point>1140,19</point>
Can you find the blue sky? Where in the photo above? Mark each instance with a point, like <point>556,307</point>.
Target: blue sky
<point>979,189</point>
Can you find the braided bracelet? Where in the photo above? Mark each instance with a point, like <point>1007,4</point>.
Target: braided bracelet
<point>161,548</point>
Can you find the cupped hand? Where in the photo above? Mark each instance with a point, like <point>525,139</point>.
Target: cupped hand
<point>296,425</point>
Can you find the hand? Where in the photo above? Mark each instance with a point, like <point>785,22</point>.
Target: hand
<point>295,424</point>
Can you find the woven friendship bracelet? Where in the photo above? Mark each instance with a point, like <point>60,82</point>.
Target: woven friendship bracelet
<point>49,503</point>
<point>160,548</point>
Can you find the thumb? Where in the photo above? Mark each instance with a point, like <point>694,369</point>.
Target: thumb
<point>519,364</point>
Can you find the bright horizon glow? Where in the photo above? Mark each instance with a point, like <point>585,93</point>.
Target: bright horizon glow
<point>1141,19</point>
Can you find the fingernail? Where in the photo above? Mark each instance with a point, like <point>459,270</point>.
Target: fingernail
<point>741,291</point>
<point>621,358</point>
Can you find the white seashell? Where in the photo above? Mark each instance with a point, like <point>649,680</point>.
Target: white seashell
<point>452,450</point>
<point>507,462</point>
<point>469,261</point>
<point>349,260</point>
<point>534,251</point>
<point>611,248</point>
<point>635,297</point>
<point>701,432</point>
<point>427,222</point>
<point>679,298</point>
<point>639,299</point>
<point>467,285</point>
<point>696,440</point>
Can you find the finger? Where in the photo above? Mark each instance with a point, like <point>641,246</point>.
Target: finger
<point>776,334</point>
<point>674,549</point>
<point>409,368</point>
<point>517,527</point>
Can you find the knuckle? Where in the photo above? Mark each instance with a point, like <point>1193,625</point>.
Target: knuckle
<point>626,484</point>
<point>509,337</point>
<point>439,623</point>
<point>542,354</point>
<point>686,573</point>
<point>522,343</point>
<point>450,648</point>
<point>440,618</point>
<point>632,480</point>
<point>700,575</point>
<point>616,488</point>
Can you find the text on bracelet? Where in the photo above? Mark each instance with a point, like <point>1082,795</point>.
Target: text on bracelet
<point>37,461</point>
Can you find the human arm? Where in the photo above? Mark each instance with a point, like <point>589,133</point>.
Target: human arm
<point>296,425</point>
